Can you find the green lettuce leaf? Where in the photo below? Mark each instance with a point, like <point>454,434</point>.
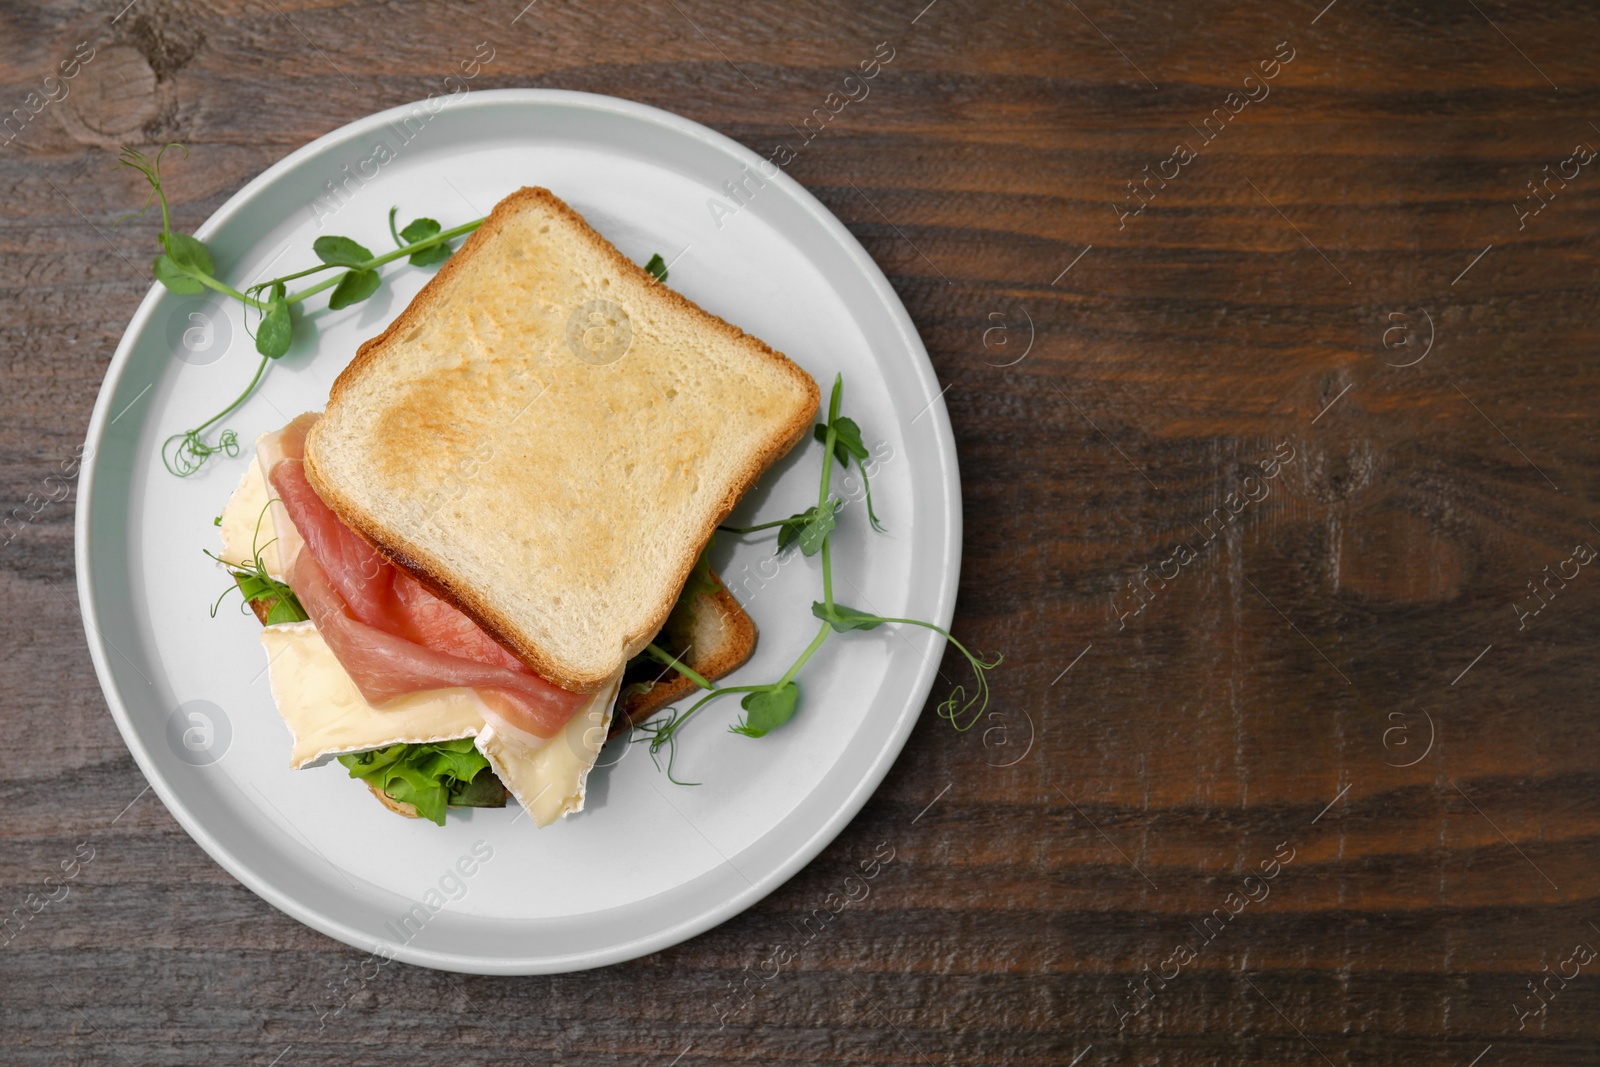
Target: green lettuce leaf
<point>430,777</point>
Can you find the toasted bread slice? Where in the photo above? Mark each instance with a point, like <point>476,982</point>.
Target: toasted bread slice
<point>714,636</point>
<point>547,437</point>
<point>399,807</point>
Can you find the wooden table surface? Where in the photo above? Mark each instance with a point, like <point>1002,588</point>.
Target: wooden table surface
<point>1269,337</point>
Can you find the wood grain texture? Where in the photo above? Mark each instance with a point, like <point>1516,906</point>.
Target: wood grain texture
<point>1264,697</point>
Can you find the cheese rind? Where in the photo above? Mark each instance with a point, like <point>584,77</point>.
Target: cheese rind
<point>327,715</point>
<point>550,782</point>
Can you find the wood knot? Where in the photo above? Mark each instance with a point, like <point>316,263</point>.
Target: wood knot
<point>113,97</point>
<point>1332,470</point>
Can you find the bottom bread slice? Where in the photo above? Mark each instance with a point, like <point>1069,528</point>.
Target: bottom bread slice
<point>715,636</point>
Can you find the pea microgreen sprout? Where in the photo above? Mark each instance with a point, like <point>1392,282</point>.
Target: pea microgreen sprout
<point>255,584</point>
<point>770,705</point>
<point>185,266</point>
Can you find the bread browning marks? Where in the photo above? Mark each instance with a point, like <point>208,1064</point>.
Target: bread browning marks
<point>560,503</point>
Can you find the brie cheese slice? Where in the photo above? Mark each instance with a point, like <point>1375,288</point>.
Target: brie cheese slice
<point>327,715</point>
<point>550,781</point>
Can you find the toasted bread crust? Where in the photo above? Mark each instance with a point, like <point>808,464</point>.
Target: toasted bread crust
<point>394,546</point>
<point>399,807</point>
<point>260,607</point>
<point>264,606</point>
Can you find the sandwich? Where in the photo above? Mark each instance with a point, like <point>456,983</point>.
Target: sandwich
<point>507,498</point>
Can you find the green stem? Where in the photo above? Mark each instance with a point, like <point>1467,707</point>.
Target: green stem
<point>752,529</point>
<point>946,634</point>
<point>829,443</point>
<point>827,468</point>
<point>670,731</point>
<point>225,412</point>
<point>223,287</point>
<point>326,283</point>
<point>827,574</point>
<point>662,656</point>
<point>816,643</point>
<point>285,279</point>
<point>375,262</point>
<point>438,238</point>
<point>294,298</point>
<point>166,217</point>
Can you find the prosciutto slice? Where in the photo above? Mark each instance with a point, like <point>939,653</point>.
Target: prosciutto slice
<point>390,633</point>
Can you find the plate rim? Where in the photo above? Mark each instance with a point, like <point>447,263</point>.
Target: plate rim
<point>719,911</point>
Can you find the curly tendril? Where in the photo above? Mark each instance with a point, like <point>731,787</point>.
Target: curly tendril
<point>959,710</point>
<point>191,452</point>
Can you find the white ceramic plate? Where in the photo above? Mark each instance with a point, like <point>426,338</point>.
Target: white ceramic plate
<point>648,863</point>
